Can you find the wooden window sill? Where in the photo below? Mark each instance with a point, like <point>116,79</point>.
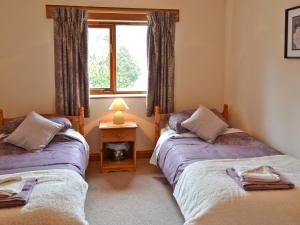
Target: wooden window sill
<point>118,96</point>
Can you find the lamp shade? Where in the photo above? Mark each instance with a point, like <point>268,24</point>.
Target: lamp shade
<point>118,105</point>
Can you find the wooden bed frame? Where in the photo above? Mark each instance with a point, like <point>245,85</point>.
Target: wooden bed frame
<point>159,118</point>
<point>76,120</point>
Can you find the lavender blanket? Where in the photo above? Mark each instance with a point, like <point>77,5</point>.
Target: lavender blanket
<point>62,152</point>
<point>177,153</point>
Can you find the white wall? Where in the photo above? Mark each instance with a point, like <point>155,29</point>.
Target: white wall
<point>27,64</point>
<point>261,86</point>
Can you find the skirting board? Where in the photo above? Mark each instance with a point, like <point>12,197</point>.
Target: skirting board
<point>139,154</point>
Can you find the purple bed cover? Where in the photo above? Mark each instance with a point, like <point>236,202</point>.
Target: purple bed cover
<point>177,153</point>
<point>62,152</point>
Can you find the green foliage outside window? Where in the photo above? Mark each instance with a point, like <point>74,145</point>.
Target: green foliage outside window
<point>99,72</point>
<point>128,70</point>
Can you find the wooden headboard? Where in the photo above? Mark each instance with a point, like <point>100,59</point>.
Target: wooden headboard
<point>75,120</point>
<point>159,118</point>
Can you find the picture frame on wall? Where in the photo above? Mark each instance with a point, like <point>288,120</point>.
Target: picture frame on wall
<point>292,33</point>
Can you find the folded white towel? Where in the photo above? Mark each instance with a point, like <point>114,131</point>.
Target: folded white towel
<point>258,173</point>
<point>10,186</point>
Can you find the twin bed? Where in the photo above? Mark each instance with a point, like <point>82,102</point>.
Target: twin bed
<point>59,196</point>
<point>206,195</point>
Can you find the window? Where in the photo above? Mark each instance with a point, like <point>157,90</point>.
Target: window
<point>117,58</point>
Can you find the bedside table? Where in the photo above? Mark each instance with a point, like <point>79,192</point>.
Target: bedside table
<point>111,133</point>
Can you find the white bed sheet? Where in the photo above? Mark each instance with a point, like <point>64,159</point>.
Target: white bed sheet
<point>77,136</point>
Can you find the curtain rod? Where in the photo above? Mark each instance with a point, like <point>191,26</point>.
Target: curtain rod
<point>92,10</point>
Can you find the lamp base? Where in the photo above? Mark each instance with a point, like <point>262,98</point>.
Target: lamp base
<point>118,118</point>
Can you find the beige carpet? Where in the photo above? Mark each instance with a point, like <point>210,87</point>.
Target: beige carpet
<point>127,198</point>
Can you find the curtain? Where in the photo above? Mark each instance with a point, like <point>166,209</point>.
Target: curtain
<point>161,61</point>
<point>71,55</point>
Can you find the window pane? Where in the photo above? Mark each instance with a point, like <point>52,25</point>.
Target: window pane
<point>132,72</point>
<point>99,57</point>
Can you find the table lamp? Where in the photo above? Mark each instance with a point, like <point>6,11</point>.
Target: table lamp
<point>118,105</point>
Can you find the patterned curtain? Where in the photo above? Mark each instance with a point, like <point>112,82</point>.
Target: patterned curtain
<point>161,61</point>
<point>71,55</point>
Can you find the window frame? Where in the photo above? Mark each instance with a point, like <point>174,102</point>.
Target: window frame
<point>113,57</point>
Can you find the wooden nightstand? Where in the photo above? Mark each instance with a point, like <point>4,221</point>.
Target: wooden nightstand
<point>111,133</point>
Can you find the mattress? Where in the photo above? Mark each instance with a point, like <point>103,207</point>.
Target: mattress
<point>177,152</point>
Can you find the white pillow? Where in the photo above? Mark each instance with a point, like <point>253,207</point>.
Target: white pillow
<point>34,133</point>
<point>205,124</point>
